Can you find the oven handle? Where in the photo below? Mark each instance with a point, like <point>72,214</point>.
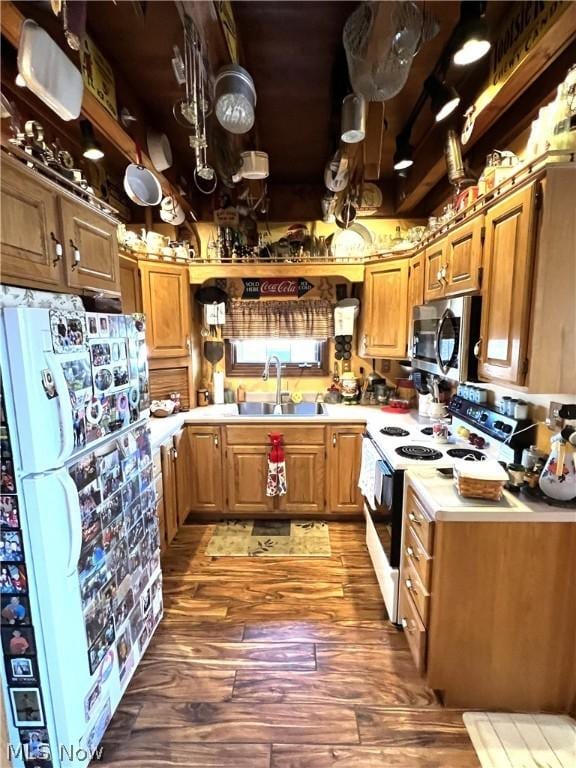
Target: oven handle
<point>389,471</point>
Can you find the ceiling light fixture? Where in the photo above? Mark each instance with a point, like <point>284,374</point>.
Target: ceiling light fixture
<point>353,125</point>
<point>444,97</point>
<point>91,149</point>
<point>403,155</point>
<point>235,99</point>
<point>471,39</point>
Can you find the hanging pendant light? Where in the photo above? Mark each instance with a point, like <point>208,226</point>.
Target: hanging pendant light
<point>471,38</point>
<point>404,151</point>
<point>353,125</point>
<point>91,149</point>
<point>235,98</point>
<point>444,98</point>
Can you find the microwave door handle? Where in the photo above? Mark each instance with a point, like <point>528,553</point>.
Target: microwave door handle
<point>64,408</point>
<point>446,315</point>
<point>74,522</point>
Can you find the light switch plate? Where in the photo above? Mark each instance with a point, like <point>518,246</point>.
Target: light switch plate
<point>554,420</point>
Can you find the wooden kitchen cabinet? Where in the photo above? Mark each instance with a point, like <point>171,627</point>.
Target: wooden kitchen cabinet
<point>344,450</point>
<point>508,258</point>
<point>130,288</point>
<point>453,263</point>
<point>474,630</point>
<point>305,465</point>
<point>159,488</point>
<point>205,467</point>
<point>169,498</point>
<point>166,304</point>
<point>246,475</point>
<point>30,230</point>
<point>416,282</point>
<point>90,248</point>
<point>434,259</point>
<point>183,473</point>
<point>385,314</point>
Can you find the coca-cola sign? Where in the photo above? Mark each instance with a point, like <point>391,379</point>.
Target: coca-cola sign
<point>255,288</point>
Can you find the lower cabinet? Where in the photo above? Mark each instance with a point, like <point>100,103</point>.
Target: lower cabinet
<point>170,503</point>
<point>344,449</point>
<point>246,473</point>
<point>157,462</point>
<point>305,466</point>
<point>205,469</point>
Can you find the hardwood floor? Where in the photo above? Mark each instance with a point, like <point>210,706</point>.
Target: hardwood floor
<point>279,663</point>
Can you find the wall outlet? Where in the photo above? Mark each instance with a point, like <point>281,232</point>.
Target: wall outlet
<point>554,421</point>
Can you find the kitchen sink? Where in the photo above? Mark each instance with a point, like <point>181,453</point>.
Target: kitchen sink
<point>287,409</point>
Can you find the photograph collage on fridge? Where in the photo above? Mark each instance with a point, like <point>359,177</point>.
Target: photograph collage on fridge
<point>92,386</point>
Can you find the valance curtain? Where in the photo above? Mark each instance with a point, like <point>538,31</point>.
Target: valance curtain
<point>313,319</point>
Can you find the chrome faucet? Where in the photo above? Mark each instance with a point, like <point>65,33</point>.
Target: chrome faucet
<point>266,374</point>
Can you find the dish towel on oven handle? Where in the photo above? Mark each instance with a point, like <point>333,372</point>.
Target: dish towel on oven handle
<point>369,474</point>
<point>276,484</point>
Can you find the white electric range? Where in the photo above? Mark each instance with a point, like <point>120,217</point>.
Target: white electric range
<point>406,441</point>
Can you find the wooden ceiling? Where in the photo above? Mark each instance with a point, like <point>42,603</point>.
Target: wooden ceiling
<point>294,52</point>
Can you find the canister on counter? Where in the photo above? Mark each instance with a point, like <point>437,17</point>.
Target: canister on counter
<point>203,398</point>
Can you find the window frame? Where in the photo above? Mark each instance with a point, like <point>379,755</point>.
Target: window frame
<point>290,370</point>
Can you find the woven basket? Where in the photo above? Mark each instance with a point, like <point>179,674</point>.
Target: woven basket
<point>473,488</point>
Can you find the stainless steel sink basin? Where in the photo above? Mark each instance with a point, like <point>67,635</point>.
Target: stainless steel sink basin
<point>287,409</point>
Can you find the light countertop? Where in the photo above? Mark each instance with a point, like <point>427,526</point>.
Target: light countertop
<point>442,500</point>
<point>161,429</point>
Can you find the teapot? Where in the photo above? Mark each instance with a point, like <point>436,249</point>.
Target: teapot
<point>558,478</point>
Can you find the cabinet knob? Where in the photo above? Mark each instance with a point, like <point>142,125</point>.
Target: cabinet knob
<point>404,623</point>
<point>174,454</point>
<point>75,254</point>
<point>410,586</point>
<point>334,441</point>
<point>478,348</point>
<point>412,517</point>
<point>58,250</point>
<point>216,441</point>
<point>410,552</point>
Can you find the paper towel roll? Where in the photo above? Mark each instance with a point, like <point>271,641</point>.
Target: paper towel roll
<point>218,388</point>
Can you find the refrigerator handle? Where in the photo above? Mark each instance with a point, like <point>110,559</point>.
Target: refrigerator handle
<point>64,407</point>
<point>74,522</point>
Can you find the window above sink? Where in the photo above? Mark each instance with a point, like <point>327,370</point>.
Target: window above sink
<point>299,357</point>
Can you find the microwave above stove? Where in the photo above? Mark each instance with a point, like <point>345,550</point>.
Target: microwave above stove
<point>444,333</point>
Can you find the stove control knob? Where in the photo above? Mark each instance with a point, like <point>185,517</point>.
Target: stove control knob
<point>498,425</point>
<point>507,428</point>
<point>484,418</point>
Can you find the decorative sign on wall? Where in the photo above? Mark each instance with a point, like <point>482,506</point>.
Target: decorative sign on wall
<point>279,287</point>
<point>98,76</point>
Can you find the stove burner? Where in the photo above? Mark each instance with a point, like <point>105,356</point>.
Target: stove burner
<point>395,432</point>
<point>427,431</point>
<point>469,454</point>
<point>418,452</point>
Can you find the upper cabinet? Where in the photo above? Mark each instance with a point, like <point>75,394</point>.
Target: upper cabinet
<point>166,304</point>
<point>52,240</point>
<point>508,253</point>
<point>30,236</point>
<point>90,248</point>
<point>453,263</point>
<point>385,312</point>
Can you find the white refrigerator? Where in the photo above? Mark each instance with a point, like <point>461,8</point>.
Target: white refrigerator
<point>80,584</point>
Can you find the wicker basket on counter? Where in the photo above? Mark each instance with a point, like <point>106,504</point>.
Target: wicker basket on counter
<point>479,479</point>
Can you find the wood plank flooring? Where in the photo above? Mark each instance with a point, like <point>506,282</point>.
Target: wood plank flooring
<point>279,663</point>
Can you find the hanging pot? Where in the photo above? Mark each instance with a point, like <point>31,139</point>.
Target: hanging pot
<point>140,184</point>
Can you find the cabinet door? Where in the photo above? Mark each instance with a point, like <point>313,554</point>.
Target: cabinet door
<point>166,304</point>
<point>305,478</point>
<point>344,457</point>
<point>183,462</point>
<point>90,248</point>
<point>130,288</point>
<point>508,252</point>
<point>434,262</point>
<point>416,282</point>
<point>246,475</point>
<point>30,231</point>
<point>387,294</point>
<point>169,495</point>
<point>205,469</point>
<point>464,258</point>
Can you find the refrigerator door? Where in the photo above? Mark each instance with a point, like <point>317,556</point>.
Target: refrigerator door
<point>95,546</point>
<point>75,379</point>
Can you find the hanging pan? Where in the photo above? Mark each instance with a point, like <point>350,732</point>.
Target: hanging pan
<point>140,184</point>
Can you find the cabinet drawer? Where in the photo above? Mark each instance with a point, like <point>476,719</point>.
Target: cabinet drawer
<point>419,520</point>
<point>157,461</point>
<point>413,628</point>
<point>418,592</point>
<point>417,556</point>
<point>295,434</point>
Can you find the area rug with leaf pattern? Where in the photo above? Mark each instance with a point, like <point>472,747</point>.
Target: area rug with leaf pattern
<point>270,538</point>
